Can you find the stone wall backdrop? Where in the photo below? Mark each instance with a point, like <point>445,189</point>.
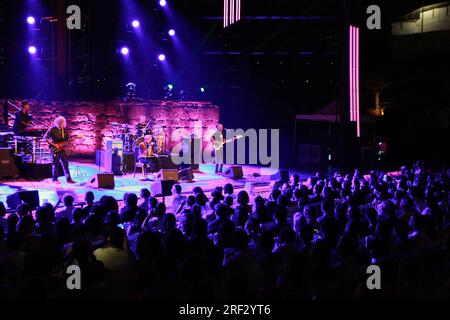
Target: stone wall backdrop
<point>96,122</point>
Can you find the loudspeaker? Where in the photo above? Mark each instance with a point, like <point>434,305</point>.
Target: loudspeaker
<point>185,174</point>
<point>161,188</point>
<point>167,174</point>
<point>281,175</point>
<point>165,162</point>
<point>40,171</point>
<point>30,197</point>
<point>233,172</point>
<point>8,166</point>
<point>102,180</point>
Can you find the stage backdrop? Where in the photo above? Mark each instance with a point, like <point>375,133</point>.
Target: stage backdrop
<point>96,122</point>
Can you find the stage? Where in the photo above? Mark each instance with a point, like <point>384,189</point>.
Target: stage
<point>82,171</point>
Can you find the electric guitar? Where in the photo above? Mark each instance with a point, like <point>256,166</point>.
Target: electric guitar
<point>56,147</point>
<point>219,145</point>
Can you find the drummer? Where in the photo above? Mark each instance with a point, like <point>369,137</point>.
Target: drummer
<point>147,154</point>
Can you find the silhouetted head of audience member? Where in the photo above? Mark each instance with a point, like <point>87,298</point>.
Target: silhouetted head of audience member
<point>89,198</point>
<point>145,194</point>
<point>23,209</point>
<point>228,189</point>
<point>243,198</point>
<point>68,200</point>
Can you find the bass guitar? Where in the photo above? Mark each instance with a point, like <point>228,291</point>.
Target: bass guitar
<point>219,145</point>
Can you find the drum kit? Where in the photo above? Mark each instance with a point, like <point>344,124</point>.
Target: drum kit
<point>132,136</point>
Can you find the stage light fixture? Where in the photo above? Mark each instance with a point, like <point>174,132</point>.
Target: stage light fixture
<point>135,23</point>
<point>202,89</point>
<point>162,57</point>
<point>162,3</point>
<point>171,32</point>
<point>31,20</point>
<point>170,86</point>
<point>130,89</point>
<point>124,51</point>
<point>32,49</point>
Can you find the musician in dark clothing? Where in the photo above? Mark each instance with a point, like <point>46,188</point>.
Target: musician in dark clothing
<point>22,119</point>
<point>57,138</point>
<point>217,140</point>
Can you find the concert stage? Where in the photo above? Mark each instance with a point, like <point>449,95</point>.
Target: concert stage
<point>82,171</point>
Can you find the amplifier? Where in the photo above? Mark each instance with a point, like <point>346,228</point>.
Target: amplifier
<point>8,167</point>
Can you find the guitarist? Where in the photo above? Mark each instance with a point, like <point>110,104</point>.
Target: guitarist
<point>218,139</point>
<point>57,138</point>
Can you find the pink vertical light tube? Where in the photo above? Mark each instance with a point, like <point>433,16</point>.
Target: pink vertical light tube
<point>238,10</point>
<point>351,71</point>
<point>358,127</point>
<point>226,13</point>
<point>233,11</point>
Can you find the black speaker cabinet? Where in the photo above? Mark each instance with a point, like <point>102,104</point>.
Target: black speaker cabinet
<point>8,167</point>
<point>161,188</point>
<point>233,172</point>
<point>30,197</point>
<point>165,162</point>
<point>102,180</point>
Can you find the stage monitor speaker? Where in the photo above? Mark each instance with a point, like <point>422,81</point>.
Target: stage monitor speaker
<point>30,197</point>
<point>233,172</point>
<point>161,188</point>
<point>40,171</point>
<point>281,175</point>
<point>185,174</point>
<point>8,167</point>
<point>102,180</point>
<point>167,174</point>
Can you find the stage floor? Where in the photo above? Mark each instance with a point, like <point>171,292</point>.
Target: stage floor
<point>206,179</point>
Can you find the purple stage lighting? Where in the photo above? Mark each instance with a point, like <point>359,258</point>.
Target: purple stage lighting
<point>162,3</point>
<point>32,49</point>
<point>31,20</point>
<point>171,32</point>
<point>135,24</point>
<point>125,51</point>
<point>161,57</point>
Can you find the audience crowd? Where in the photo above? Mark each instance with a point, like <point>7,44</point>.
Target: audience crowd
<point>308,240</point>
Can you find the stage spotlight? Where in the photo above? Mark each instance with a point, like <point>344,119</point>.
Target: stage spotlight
<point>168,92</point>
<point>32,49</point>
<point>130,89</point>
<point>202,89</point>
<point>171,32</point>
<point>162,57</point>
<point>135,24</point>
<point>162,3</point>
<point>125,51</point>
<point>31,20</point>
